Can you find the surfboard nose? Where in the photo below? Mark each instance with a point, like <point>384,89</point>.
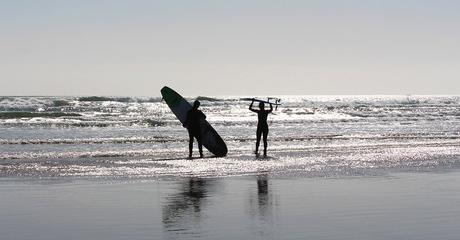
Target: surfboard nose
<point>165,89</point>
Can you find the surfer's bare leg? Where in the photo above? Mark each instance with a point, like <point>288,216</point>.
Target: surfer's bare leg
<point>200,146</point>
<point>265,134</point>
<point>258,135</point>
<point>190,144</point>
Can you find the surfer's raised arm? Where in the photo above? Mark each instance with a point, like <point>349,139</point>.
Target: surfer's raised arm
<point>271,108</point>
<point>250,106</point>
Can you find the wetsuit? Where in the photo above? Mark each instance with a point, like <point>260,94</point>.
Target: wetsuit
<point>194,129</point>
<point>262,127</point>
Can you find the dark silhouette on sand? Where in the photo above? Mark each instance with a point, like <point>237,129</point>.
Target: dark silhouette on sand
<point>263,197</point>
<point>193,126</point>
<point>183,209</point>
<point>262,209</point>
<point>262,125</point>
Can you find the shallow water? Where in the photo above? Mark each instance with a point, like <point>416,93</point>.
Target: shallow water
<point>125,137</point>
<point>397,206</point>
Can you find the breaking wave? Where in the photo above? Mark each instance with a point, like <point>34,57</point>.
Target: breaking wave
<point>12,115</point>
<point>118,99</point>
<point>88,140</point>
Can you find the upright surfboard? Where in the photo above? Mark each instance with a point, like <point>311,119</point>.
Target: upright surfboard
<point>180,107</point>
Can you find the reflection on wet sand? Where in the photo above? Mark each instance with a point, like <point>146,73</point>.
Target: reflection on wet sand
<point>182,213</point>
<point>188,212</point>
<point>263,197</point>
<point>262,208</point>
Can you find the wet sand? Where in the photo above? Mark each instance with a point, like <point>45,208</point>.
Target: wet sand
<point>391,206</point>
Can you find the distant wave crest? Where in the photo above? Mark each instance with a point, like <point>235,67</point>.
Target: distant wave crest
<point>12,115</point>
<point>117,99</point>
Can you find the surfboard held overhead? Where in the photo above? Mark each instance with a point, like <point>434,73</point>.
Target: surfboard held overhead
<point>270,100</point>
<point>273,101</point>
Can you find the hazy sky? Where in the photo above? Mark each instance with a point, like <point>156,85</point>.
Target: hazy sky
<point>129,47</point>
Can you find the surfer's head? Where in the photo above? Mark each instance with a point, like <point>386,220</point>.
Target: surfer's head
<point>261,106</point>
<point>196,104</point>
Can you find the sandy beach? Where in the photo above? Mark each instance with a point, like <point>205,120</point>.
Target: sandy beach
<point>399,205</point>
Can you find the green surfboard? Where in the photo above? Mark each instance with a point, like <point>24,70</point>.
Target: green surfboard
<point>180,107</point>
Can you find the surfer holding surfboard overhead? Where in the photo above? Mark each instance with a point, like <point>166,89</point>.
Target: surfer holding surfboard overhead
<point>262,125</point>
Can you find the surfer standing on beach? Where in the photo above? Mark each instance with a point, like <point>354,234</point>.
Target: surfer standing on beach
<point>192,124</point>
<point>262,125</point>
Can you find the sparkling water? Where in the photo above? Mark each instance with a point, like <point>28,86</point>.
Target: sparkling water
<point>139,137</point>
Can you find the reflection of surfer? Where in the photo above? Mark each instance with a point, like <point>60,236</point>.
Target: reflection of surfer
<point>262,195</point>
<point>192,124</point>
<point>262,126</point>
<point>187,202</point>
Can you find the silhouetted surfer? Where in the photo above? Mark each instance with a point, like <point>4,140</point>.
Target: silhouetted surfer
<point>262,125</point>
<point>193,126</point>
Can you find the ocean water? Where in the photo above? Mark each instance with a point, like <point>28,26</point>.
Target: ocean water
<point>138,137</point>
